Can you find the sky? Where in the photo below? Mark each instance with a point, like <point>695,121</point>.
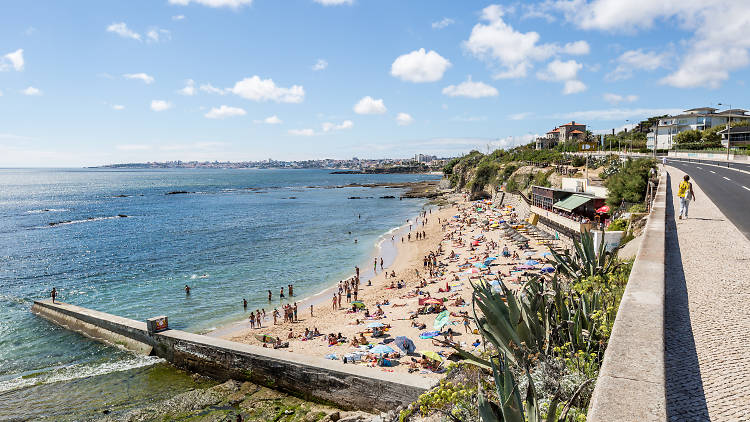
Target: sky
<point>88,83</point>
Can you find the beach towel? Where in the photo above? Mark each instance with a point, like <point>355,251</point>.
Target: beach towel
<point>429,334</point>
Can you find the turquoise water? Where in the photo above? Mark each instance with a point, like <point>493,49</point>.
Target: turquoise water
<point>236,234</point>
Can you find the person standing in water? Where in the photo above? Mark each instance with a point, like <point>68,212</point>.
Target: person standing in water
<point>244,303</point>
<point>281,293</point>
<point>381,263</point>
<point>187,290</point>
<point>269,295</point>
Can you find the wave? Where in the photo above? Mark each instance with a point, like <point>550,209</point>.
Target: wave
<point>43,210</point>
<point>76,371</point>
<point>86,220</point>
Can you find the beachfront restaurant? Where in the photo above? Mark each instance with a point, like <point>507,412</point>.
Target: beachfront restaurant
<point>566,202</point>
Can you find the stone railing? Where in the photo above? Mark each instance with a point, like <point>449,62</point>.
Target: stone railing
<point>631,382</point>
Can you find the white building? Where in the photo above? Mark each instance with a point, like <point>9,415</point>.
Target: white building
<point>693,119</point>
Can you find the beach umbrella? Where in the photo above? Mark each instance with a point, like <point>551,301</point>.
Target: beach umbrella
<point>442,319</point>
<point>431,355</point>
<point>358,304</point>
<point>480,265</point>
<point>603,210</point>
<point>405,344</point>
<point>381,349</point>
<point>531,262</point>
<point>547,254</point>
<point>375,325</point>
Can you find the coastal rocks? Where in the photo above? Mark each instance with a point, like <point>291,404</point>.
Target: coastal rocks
<point>388,197</point>
<point>178,192</point>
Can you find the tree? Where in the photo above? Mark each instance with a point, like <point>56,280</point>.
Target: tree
<point>629,184</point>
<point>688,137</point>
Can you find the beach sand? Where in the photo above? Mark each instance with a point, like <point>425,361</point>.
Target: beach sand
<point>409,267</point>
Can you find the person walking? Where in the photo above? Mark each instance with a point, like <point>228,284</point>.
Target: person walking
<point>685,193</point>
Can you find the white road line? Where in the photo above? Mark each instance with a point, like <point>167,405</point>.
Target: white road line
<point>712,171</point>
<point>746,188</point>
<point>726,178</point>
<point>700,168</point>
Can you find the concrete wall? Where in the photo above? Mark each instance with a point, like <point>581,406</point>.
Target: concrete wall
<point>346,386</point>
<point>631,383</point>
<point>722,156</point>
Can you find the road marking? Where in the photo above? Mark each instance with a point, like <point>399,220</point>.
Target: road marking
<point>700,168</point>
<point>746,188</point>
<point>712,171</point>
<point>726,178</point>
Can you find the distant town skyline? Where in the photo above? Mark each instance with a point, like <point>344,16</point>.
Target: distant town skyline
<point>93,83</point>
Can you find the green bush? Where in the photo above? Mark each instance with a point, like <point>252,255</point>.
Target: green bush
<point>629,184</point>
<point>578,161</point>
<point>637,208</point>
<point>688,136</point>
<point>618,225</point>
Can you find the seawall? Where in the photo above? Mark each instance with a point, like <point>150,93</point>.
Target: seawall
<point>348,387</point>
<point>631,385</point>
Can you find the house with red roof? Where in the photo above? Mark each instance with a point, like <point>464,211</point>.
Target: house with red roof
<point>564,133</point>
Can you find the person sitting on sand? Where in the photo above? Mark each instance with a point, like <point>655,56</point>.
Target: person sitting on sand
<point>316,332</point>
<point>362,339</point>
<point>393,286</point>
<point>515,255</point>
<point>291,334</point>
<point>354,342</point>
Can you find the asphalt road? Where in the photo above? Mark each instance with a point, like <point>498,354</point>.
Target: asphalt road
<point>731,164</point>
<point>728,189</point>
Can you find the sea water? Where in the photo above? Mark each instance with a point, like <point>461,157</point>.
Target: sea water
<point>235,234</point>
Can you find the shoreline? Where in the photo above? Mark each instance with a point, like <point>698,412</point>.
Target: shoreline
<point>233,328</point>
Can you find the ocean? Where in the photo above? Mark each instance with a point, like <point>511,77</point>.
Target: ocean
<point>234,234</point>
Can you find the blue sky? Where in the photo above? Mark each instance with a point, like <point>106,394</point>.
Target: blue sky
<point>95,82</point>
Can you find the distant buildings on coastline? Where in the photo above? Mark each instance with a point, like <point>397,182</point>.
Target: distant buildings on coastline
<point>429,162</point>
<point>694,119</point>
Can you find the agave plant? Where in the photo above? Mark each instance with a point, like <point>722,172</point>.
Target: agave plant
<point>584,261</point>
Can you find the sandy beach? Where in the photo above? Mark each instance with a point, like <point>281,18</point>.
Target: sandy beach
<point>459,229</point>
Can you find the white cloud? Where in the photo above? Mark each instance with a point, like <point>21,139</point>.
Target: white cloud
<point>118,107</point>
<point>122,30</point>
<point>212,89</point>
<point>334,2</point>
<point>328,126</point>
<point>178,17</point>
<point>31,91</point>
<point>567,72</point>
<point>420,66</point>
<point>718,45</point>
<point>404,119</point>
<point>470,89</point>
<point>232,4</point>
<point>158,34</point>
<point>578,48</point>
<point>14,60</point>
<point>272,120</point>
<point>369,105</point>
<point>512,51</point>
<point>320,65</point>
<point>301,132</point>
<point>616,98</point>
<point>560,71</point>
<point>160,105</point>
<point>258,89</point>
<point>224,111</point>
<point>573,87</point>
<point>633,60</point>
<point>189,88</point>
<point>148,79</point>
<point>521,116</point>
<point>619,114</point>
<point>443,23</point>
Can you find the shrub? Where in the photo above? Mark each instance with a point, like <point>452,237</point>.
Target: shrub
<point>629,184</point>
<point>618,225</point>
<point>578,161</point>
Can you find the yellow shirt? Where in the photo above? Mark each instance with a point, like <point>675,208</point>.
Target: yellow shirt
<point>684,188</point>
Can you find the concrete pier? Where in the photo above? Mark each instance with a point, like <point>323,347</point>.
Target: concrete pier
<point>346,386</point>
